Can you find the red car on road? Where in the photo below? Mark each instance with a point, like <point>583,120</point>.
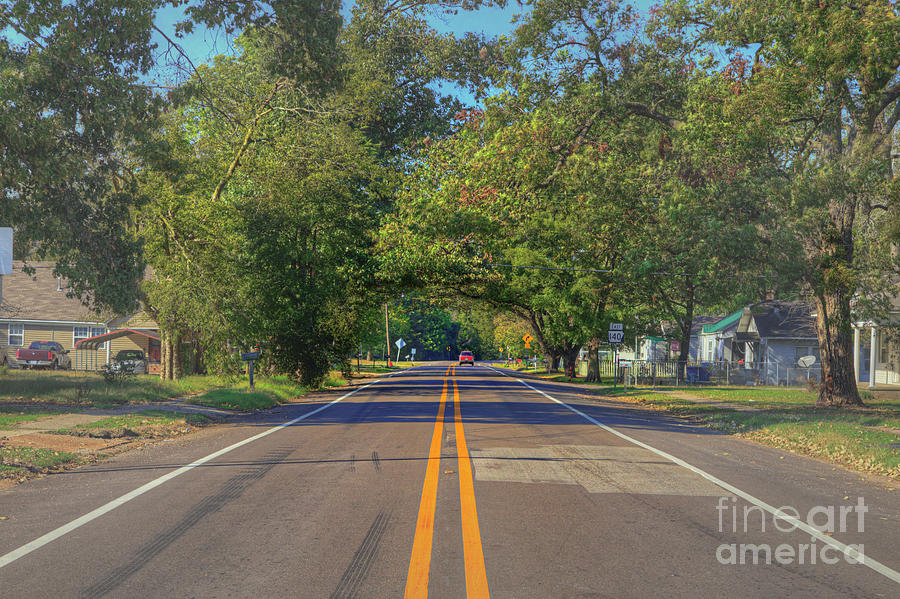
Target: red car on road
<point>467,357</point>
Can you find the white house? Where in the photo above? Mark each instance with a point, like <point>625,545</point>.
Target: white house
<point>876,349</point>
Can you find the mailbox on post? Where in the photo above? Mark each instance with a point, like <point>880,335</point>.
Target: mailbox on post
<point>250,357</point>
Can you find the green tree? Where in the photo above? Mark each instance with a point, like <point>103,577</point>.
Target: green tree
<point>76,107</point>
<point>491,215</point>
<point>69,112</point>
<point>293,177</point>
<point>821,86</point>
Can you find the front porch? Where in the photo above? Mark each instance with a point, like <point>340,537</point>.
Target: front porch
<point>876,355</point>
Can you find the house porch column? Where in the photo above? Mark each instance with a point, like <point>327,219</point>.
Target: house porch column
<point>856,353</point>
<point>872,356</point>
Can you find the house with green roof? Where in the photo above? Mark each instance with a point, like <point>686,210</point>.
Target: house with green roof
<point>659,348</point>
<point>717,340</point>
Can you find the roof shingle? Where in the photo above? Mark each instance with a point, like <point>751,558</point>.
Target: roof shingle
<point>41,297</point>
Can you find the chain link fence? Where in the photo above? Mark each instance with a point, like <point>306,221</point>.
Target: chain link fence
<point>643,372</point>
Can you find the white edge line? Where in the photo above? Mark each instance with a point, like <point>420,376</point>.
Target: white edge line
<point>777,513</point>
<point>51,536</point>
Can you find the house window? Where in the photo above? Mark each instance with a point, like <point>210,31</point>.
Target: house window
<point>79,333</point>
<point>98,331</point>
<point>16,335</point>
<point>709,350</point>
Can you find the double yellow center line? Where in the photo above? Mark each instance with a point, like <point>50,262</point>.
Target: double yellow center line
<point>473,554</point>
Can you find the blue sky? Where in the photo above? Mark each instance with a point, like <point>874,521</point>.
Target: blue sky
<point>203,44</point>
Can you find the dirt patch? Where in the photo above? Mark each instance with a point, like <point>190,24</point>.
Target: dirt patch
<point>67,443</point>
<point>38,453</point>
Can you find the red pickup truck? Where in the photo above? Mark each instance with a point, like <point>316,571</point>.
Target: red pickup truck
<point>44,354</point>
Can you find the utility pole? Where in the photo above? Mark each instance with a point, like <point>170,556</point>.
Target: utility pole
<point>387,335</point>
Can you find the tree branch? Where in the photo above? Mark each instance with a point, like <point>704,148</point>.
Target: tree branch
<point>645,111</point>
<point>581,133</point>
<point>248,137</point>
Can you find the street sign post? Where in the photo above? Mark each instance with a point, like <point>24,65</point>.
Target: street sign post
<point>616,337</point>
<point>527,339</point>
<point>413,353</point>
<point>400,343</point>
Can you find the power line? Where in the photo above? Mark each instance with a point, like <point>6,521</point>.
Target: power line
<point>607,271</point>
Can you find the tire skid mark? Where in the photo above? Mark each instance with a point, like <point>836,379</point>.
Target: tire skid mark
<point>376,460</point>
<point>230,491</point>
<point>359,567</point>
<point>353,462</point>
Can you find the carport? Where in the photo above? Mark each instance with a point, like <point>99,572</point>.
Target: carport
<point>146,339</point>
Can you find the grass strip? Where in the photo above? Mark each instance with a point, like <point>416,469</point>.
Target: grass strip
<point>83,390</point>
<point>18,461</point>
<point>141,423</point>
<point>9,419</point>
<point>237,399</point>
<point>862,439</point>
<point>850,445</point>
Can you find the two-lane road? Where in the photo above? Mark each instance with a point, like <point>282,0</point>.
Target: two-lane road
<point>452,481</point>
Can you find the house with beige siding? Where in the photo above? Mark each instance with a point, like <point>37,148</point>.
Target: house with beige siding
<point>36,307</point>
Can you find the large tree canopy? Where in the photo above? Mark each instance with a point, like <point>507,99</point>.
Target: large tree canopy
<point>620,167</point>
<point>71,108</point>
<point>821,87</point>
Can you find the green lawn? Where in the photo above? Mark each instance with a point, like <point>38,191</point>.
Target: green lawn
<point>865,439</point>
<point>90,390</point>
<point>858,447</point>
<point>268,392</point>
<point>9,418</point>
<point>237,399</point>
<point>378,366</point>
<point>771,396</point>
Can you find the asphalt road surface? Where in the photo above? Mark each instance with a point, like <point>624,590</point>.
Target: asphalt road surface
<point>452,481</point>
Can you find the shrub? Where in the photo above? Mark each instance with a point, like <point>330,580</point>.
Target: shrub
<point>118,372</point>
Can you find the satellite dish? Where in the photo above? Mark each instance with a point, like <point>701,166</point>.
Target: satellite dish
<point>806,361</point>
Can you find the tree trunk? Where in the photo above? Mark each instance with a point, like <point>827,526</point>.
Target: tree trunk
<point>684,350</point>
<point>593,373</point>
<point>831,252</point>
<point>554,361</point>
<point>165,365</point>
<point>838,386</point>
<point>177,359</point>
<point>169,373</point>
<point>198,366</point>
<point>369,355</point>
<point>571,356</point>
